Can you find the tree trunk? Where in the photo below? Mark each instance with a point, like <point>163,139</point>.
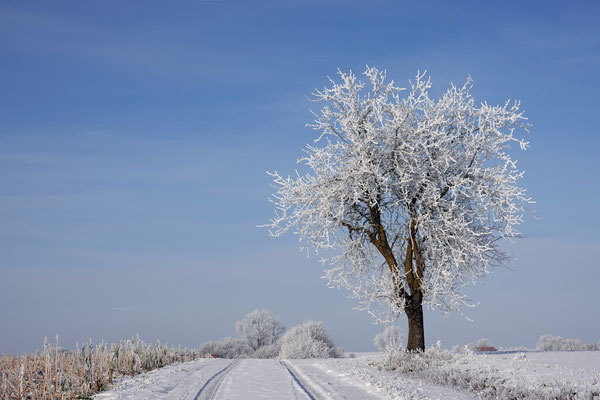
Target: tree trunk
<point>416,331</point>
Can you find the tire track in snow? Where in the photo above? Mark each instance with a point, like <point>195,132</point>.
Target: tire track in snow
<point>210,388</point>
<point>189,388</point>
<point>308,388</point>
<point>321,380</point>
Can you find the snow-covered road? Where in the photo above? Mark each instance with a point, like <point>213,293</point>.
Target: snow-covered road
<point>240,379</point>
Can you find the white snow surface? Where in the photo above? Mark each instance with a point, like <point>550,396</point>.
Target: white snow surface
<point>584,362</point>
<point>351,378</point>
<point>259,379</point>
<point>514,375</point>
<point>178,381</point>
<point>332,374</point>
<point>318,379</point>
<point>243,379</point>
<point>579,369</point>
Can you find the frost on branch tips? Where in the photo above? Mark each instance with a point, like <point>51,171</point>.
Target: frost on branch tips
<point>411,195</point>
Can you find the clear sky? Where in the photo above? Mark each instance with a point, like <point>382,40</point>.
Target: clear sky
<point>135,136</point>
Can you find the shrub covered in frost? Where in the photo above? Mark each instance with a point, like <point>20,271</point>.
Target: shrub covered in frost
<point>269,351</point>
<point>259,332</point>
<point>227,347</point>
<point>593,346</point>
<point>390,340</point>
<point>308,340</point>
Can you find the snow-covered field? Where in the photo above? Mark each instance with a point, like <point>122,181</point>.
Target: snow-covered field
<point>352,378</point>
<point>505,375</point>
<point>578,368</point>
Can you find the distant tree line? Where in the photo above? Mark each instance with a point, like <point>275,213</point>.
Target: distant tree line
<point>548,342</point>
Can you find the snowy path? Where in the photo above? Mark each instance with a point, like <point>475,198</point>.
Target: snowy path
<point>260,379</point>
<point>218,379</point>
<point>272,379</point>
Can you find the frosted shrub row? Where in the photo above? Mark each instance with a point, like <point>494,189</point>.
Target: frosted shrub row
<point>548,342</point>
<point>262,336</point>
<point>57,373</point>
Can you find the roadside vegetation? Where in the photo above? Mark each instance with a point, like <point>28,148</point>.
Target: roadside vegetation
<point>57,373</point>
<point>69,374</point>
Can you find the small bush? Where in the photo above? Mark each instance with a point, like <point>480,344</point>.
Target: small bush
<point>227,347</point>
<point>309,340</point>
<point>269,351</point>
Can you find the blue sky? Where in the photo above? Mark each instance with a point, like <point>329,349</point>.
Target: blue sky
<point>135,136</point>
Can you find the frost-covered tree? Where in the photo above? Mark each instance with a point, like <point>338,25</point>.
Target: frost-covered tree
<point>390,340</point>
<point>411,194</point>
<point>259,328</point>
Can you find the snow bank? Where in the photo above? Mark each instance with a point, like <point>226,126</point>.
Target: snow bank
<point>390,384</point>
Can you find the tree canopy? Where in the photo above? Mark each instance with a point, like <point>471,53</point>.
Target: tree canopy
<point>413,195</point>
